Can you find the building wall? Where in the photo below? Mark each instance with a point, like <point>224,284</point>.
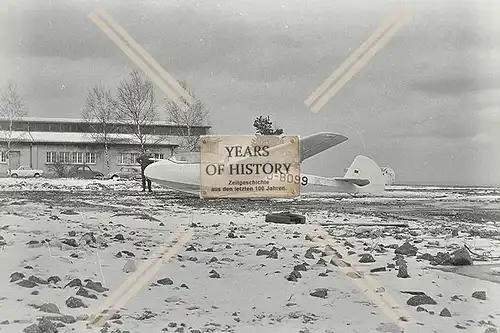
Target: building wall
<point>66,130</point>
<point>37,156</point>
<point>23,152</point>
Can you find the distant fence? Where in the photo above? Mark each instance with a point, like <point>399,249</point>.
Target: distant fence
<point>390,175</point>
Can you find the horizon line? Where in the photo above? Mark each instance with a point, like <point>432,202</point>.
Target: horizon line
<point>443,184</point>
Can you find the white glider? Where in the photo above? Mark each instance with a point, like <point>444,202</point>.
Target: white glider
<point>181,172</point>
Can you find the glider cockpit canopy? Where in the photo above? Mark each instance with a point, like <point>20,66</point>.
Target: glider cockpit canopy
<point>190,157</point>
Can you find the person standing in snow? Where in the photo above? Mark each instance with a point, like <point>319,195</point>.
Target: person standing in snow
<point>144,160</point>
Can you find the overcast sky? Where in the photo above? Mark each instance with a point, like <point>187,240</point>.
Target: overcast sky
<point>426,105</point>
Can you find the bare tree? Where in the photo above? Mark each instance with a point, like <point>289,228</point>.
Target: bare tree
<point>196,114</point>
<point>136,107</point>
<point>12,109</point>
<point>101,114</point>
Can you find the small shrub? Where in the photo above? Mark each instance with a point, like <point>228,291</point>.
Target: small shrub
<point>59,169</point>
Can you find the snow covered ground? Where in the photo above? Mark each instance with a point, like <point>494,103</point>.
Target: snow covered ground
<point>68,248</point>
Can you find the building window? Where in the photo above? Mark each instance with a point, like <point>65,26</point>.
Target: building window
<point>54,127</point>
<point>77,158</point>
<point>51,157</point>
<point>159,156</point>
<point>64,157</point>
<point>35,127</point>
<point>20,127</point>
<point>90,158</point>
<point>65,127</point>
<point>128,158</point>
<point>84,128</point>
<point>70,157</point>
<point>3,157</point>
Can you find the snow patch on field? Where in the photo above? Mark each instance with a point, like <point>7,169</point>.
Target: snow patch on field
<point>231,276</point>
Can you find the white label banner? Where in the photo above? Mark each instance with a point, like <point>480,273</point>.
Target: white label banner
<point>249,166</point>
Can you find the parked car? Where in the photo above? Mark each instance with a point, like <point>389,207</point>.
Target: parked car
<point>84,171</point>
<point>26,171</point>
<point>126,173</point>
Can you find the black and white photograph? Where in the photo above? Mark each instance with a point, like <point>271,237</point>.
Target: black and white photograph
<point>276,166</point>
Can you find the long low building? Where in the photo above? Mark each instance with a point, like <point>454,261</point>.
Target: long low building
<point>44,142</point>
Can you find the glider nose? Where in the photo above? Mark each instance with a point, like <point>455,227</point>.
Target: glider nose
<point>155,170</point>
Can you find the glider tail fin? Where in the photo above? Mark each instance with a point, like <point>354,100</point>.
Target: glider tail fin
<point>364,168</point>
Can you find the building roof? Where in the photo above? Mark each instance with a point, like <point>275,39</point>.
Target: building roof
<point>69,138</point>
<point>80,120</point>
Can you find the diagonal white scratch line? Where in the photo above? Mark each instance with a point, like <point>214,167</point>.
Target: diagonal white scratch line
<point>369,286</point>
<point>141,58</point>
<point>140,277</point>
<point>359,65</point>
<point>366,44</point>
<point>149,59</point>
<point>376,41</point>
<point>156,257</point>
